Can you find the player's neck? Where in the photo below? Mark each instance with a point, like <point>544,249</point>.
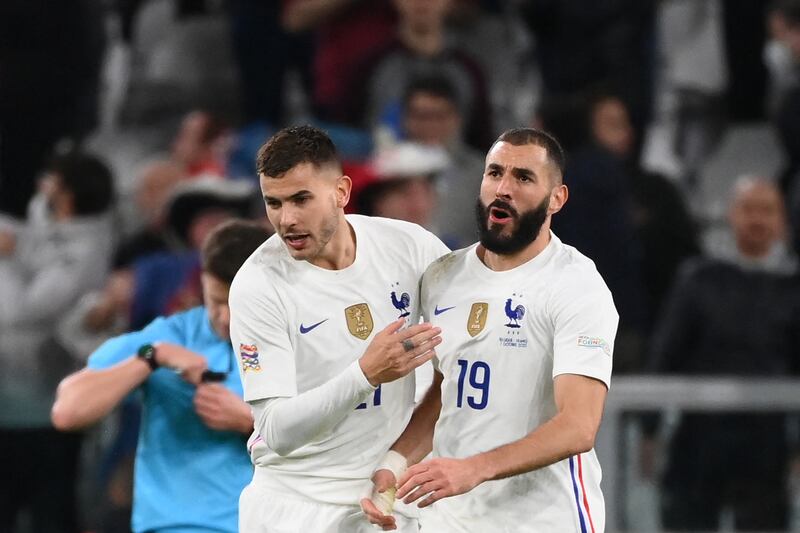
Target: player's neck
<point>340,251</point>
<point>502,262</point>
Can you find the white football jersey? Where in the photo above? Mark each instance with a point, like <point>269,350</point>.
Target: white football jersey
<point>295,326</point>
<point>506,336</point>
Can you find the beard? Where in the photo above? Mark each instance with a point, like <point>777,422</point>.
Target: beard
<point>526,228</point>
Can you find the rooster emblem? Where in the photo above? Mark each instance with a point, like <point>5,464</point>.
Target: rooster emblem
<point>514,315</point>
<point>401,304</point>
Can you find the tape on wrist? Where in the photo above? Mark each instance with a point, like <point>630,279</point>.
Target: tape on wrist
<point>394,462</point>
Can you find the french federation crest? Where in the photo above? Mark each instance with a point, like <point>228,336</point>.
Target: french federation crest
<point>249,356</point>
<point>477,318</point>
<point>401,304</point>
<point>359,320</point>
<point>514,314</point>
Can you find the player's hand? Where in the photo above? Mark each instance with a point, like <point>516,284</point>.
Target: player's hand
<point>189,364</point>
<point>221,409</point>
<point>378,508</point>
<point>438,478</point>
<point>393,353</point>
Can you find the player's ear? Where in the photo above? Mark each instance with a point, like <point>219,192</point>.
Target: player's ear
<point>344,186</point>
<point>558,197</point>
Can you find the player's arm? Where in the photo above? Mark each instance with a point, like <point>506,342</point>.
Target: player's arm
<point>286,424</point>
<point>411,447</point>
<point>88,395</point>
<point>284,418</point>
<point>571,431</point>
<point>585,324</point>
<point>416,440</point>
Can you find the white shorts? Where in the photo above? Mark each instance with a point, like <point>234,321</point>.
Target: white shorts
<point>265,511</point>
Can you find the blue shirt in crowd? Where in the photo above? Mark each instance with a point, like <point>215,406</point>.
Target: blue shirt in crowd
<point>187,477</point>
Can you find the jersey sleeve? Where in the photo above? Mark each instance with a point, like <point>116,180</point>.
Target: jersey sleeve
<point>585,322</point>
<point>432,249</point>
<point>124,346</point>
<point>260,339</point>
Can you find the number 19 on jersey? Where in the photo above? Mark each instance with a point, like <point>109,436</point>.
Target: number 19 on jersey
<point>478,375</point>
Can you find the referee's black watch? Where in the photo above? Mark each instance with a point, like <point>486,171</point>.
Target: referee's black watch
<point>147,352</point>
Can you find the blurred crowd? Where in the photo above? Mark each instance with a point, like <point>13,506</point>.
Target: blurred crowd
<point>128,131</point>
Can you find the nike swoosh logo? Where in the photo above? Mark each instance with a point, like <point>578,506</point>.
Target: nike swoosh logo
<point>305,330</point>
<point>438,311</point>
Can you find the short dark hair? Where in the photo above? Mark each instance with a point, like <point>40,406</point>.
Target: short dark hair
<point>293,146</point>
<point>87,178</point>
<point>436,85</point>
<point>228,246</point>
<point>524,136</point>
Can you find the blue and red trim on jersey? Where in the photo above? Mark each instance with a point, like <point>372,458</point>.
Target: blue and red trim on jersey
<point>581,503</point>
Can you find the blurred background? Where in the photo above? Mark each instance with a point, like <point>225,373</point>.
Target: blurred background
<point>128,130</point>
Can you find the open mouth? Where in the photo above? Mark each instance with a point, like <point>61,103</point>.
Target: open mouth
<point>499,215</point>
<point>296,240</point>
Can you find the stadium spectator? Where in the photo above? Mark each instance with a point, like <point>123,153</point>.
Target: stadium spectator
<point>421,48</point>
<point>783,18</point>
<point>153,190</point>
<point>697,75</point>
<point>737,316</point>
<point>581,46</point>
<point>266,52</point>
<point>46,264</point>
<point>405,187</point>
<point>191,462</point>
<point>661,220</point>
<point>787,115</point>
<point>493,33</point>
<point>152,266</point>
<point>316,314</point>
<point>432,116</point>
<point>598,220</point>
<point>169,281</point>
<point>347,32</point>
<point>200,145</point>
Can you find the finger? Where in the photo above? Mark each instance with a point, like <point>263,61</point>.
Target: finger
<point>425,347</point>
<point>424,336</point>
<point>205,406</point>
<point>413,330</point>
<point>408,349</point>
<point>210,391</point>
<point>374,516</point>
<point>202,391</point>
<point>204,403</point>
<point>394,327</point>
<point>413,482</point>
<point>418,361</point>
<point>432,497</point>
<point>422,490</point>
<point>407,475</point>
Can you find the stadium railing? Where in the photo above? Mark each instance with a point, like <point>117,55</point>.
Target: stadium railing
<point>638,394</point>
